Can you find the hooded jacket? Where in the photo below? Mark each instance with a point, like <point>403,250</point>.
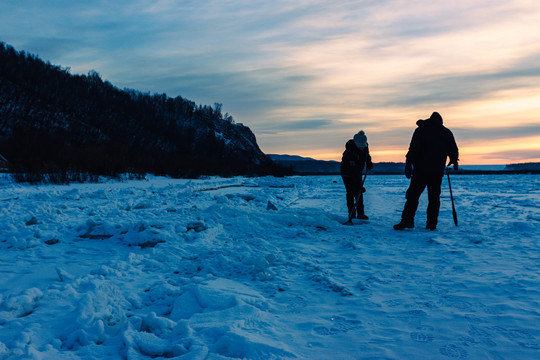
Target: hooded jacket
<point>430,145</point>
<point>354,160</point>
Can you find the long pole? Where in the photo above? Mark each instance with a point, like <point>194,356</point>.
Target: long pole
<point>454,213</point>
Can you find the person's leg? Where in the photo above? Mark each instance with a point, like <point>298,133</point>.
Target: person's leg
<point>416,187</point>
<point>360,207</point>
<point>350,194</point>
<point>434,202</point>
<point>355,190</point>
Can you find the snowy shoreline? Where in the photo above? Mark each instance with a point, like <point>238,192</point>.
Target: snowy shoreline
<point>262,268</point>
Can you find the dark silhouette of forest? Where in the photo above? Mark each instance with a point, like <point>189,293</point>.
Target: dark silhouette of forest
<point>53,122</point>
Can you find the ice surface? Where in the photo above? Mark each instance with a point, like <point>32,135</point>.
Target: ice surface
<point>262,268</point>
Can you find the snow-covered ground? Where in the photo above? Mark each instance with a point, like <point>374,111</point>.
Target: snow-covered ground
<point>262,268</point>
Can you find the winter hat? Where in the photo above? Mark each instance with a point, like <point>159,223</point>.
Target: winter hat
<point>360,139</point>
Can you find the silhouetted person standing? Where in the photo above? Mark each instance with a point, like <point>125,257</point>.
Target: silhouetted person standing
<point>355,157</point>
<point>430,145</point>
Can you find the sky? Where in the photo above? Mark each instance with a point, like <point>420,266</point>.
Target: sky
<point>305,76</point>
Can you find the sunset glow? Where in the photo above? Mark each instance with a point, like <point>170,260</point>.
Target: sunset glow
<point>305,76</point>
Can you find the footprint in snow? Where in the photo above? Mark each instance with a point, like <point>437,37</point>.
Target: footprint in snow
<point>453,351</point>
<point>339,325</point>
<point>469,341</point>
<point>422,337</point>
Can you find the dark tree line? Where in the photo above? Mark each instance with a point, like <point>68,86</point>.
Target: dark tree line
<point>53,121</point>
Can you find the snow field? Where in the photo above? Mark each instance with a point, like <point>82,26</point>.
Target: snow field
<point>262,268</point>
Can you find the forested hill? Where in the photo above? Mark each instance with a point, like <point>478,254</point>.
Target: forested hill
<point>53,121</point>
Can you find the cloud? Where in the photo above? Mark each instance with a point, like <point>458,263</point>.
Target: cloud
<point>56,47</point>
<point>496,133</point>
<point>298,126</point>
<point>514,155</point>
<point>454,89</point>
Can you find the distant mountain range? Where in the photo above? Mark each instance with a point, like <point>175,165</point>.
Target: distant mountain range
<point>305,166</point>
<point>523,166</point>
<point>309,166</point>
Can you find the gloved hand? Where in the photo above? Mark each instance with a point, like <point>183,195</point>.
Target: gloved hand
<point>408,169</point>
<point>369,166</point>
<point>363,189</point>
<point>456,167</point>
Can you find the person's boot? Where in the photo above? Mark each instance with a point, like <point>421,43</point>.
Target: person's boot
<point>362,217</point>
<point>431,223</point>
<point>404,225</point>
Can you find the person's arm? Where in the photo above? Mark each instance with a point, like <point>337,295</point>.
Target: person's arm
<point>453,152</point>
<point>414,147</point>
<point>347,163</point>
<point>413,154</point>
<point>369,163</point>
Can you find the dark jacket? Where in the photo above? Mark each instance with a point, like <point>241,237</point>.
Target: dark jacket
<point>430,145</point>
<point>354,160</point>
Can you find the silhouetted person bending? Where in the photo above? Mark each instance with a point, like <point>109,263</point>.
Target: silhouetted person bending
<point>355,157</point>
<point>430,145</point>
